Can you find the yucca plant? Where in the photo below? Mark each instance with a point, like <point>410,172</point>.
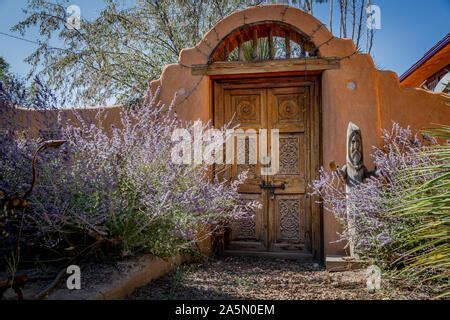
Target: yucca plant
<point>402,219</point>
<point>425,243</point>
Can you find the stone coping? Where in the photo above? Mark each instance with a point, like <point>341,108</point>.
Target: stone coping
<point>343,263</point>
<point>115,283</point>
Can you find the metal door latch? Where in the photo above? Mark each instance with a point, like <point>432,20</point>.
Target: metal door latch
<point>271,187</point>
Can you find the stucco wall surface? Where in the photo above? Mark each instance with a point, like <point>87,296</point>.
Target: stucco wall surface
<point>376,100</point>
<point>356,91</point>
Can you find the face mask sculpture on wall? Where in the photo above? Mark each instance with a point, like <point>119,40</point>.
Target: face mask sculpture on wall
<point>354,171</point>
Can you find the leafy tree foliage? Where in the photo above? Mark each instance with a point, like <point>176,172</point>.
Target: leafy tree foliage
<point>114,55</point>
<point>15,91</point>
<point>4,69</point>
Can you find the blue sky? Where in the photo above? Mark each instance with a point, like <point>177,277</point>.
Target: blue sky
<point>409,29</point>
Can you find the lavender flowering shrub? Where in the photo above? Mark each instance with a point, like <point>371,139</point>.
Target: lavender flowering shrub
<point>373,206</point>
<point>116,190</point>
<point>17,147</point>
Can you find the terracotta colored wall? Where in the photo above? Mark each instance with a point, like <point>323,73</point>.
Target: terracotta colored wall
<point>376,101</point>
<point>339,106</point>
<point>33,121</point>
<point>415,107</point>
<point>192,92</point>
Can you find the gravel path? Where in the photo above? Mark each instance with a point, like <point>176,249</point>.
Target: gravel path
<point>259,278</point>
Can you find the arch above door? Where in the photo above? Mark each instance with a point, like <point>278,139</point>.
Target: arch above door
<point>282,18</point>
<point>267,40</point>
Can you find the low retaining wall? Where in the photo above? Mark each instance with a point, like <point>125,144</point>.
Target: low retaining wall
<point>106,284</point>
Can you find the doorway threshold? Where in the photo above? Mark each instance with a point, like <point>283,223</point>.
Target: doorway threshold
<point>303,256</point>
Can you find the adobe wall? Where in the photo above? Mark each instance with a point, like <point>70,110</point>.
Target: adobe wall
<point>415,107</point>
<point>34,121</point>
<point>375,102</point>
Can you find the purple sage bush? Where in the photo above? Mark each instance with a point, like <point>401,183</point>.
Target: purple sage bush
<point>380,229</point>
<point>114,190</point>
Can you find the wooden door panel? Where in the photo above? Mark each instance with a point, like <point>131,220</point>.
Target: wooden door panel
<point>284,222</point>
<point>249,145</point>
<point>292,164</point>
<point>288,223</point>
<point>246,108</point>
<point>250,233</point>
<point>288,108</point>
<point>291,153</point>
<point>287,210</point>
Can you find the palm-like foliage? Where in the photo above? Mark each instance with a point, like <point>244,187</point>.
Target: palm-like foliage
<point>427,204</point>
<point>263,52</point>
<point>402,216</point>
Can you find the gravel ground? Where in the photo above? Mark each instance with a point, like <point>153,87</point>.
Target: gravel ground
<point>259,278</point>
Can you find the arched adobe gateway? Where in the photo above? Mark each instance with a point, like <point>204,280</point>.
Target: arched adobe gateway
<point>277,67</point>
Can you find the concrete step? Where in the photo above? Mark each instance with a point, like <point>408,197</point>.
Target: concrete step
<point>343,263</point>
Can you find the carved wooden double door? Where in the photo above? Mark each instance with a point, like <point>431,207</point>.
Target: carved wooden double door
<point>284,223</point>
